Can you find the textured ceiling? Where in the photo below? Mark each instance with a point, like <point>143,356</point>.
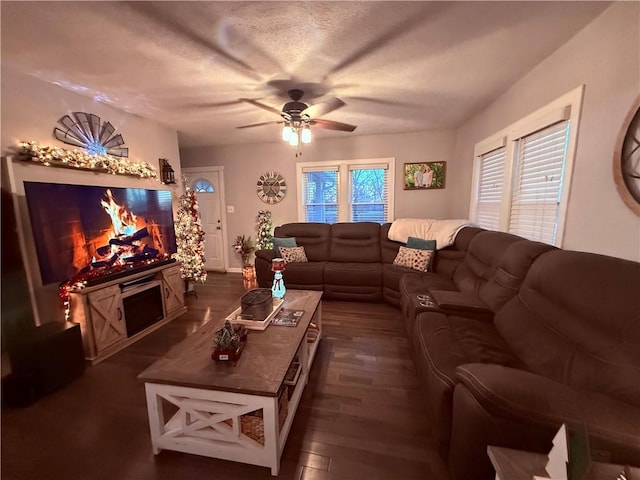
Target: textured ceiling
<point>399,66</point>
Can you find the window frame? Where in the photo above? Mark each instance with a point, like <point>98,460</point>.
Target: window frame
<point>567,107</point>
<point>344,183</point>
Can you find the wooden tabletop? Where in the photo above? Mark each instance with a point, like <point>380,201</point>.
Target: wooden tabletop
<point>262,366</point>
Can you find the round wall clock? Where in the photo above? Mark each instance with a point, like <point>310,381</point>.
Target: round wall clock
<point>271,187</point>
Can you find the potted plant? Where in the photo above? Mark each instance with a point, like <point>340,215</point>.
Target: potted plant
<point>244,246</point>
<point>229,342</point>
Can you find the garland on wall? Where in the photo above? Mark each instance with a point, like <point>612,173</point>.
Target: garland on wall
<point>190,237</point>
<point>61,157</point>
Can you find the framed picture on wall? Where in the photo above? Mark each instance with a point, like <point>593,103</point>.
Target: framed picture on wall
<point>424,176</point>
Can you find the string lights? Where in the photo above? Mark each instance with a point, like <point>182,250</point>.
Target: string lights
<point>61,157</point>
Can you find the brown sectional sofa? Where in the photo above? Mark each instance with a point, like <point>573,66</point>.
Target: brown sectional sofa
<point>351,261</point>
<point>522,336</point>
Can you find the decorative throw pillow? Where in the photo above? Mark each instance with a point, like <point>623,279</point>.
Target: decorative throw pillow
<point>421,243</point>
<point>293,255</point>
<point>414,258</point>
<point>283,242</point>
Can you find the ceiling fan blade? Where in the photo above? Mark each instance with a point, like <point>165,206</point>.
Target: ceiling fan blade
<point>258,124</point>
<point>198,106</point>
<point>322,108</point>
<point>261,105</point>
<point>331,125</point>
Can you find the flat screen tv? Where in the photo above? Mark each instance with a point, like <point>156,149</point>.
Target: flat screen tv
<point>82,229</point>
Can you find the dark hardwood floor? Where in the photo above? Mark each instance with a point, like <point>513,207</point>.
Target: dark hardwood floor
<point>361,415</point>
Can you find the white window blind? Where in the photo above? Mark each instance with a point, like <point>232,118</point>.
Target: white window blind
<point>369,186</point>
<point>490,188</point>
<point>537,183</point>
<point>320,190</point>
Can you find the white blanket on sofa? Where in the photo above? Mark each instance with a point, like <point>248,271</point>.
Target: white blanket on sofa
<point>442,231</point>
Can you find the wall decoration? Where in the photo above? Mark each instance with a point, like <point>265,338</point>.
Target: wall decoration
<point>424,176</point>
<point>271,187</point>
<point>626,160</point>
<point>167,174</point>
<point>87,131</point>
<point>60,157</point>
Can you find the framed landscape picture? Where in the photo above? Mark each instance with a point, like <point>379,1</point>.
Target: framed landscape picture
<point>424,176</point>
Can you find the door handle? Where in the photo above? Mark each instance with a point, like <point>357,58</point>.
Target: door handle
<point>218,227</point>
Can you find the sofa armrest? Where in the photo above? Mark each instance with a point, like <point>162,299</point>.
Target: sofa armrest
<point>460,303</point>
<point>264,275</point>
<point>267,255</point>
<point>525,396</point>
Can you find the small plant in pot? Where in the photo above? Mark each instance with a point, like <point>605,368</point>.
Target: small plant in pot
<point>229,342</point>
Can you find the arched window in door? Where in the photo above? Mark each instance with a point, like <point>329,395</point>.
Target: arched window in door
<point>203,186</point>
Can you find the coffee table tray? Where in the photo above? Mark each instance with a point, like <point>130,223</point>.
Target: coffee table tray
<point>236,319</point>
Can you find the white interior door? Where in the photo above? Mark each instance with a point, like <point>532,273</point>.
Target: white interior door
<point>210,215</point>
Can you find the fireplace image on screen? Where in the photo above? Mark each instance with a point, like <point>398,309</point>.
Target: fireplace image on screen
<point>117,243</point>
<point>79,229</point>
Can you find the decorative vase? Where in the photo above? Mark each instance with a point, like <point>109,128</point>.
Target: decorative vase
<point>245,259</point>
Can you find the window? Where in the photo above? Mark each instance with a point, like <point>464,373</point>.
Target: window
<point>203,186</point>
<point>320,189</point>
<point>346,191</point>
<point>522,175</point>
<point>535,201</point>
<point>490,189</point>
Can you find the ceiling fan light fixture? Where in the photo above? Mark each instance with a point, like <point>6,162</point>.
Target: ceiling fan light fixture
<point>294,141</point>
<point>287,132</point>
<point>306,134</point>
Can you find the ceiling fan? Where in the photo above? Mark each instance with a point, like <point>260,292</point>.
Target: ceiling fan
<point>298,116</point>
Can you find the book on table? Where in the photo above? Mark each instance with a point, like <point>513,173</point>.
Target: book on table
<point>288,317</point>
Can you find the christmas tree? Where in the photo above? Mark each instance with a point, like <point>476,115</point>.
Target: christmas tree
<point>264,230</point>
<point>190,237</point>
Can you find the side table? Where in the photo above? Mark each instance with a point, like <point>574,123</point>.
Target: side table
<point>513,464</point>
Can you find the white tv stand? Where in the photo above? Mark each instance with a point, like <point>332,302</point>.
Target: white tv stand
<point>100,309</point>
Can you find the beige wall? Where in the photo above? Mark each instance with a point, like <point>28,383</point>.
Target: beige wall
<point>30,111</point>
<point>605,57</point>
<point>243,164</point>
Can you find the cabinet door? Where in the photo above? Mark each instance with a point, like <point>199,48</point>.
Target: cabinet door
<point>107,317</point>
<point>173,287</point>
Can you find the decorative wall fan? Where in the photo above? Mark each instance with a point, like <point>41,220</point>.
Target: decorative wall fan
<point>297,117</point>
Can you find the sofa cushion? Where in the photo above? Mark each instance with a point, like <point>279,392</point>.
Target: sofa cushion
<point>308,275</point>
<point>314,237</point>
<point>391,276</point>
<point>510,273</point>
<point>355,274</point>
<point>421,243</point>
<point>447,260</point>
<point>283,242</point>
<point>353,281</point>
<point>355,242</point>
<point>443,342</point>
<point>482,259</point>
<point>293,255</point>
<point>576,319</point>
<point>414,258</point>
